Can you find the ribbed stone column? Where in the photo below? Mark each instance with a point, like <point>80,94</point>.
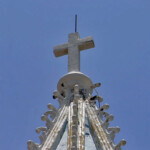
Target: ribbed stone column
<point>54,136</point>
<point>100,138</point>
<point>72,126</point>
<point>76,121</point>
<point>81,124</point>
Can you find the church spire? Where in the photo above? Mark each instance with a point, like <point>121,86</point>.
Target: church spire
<point>77,124</point>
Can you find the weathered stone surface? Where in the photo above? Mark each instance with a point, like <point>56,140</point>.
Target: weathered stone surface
<point>73,48</point>
<point>78,124</point>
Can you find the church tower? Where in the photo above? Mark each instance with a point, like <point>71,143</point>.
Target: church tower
<point>78,124</point>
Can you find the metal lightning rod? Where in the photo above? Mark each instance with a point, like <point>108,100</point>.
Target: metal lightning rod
<point>75,23</point>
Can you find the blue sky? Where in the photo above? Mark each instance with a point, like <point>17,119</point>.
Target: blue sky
<point>29,72</point>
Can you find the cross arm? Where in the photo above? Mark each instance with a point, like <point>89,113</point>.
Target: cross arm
<point>60,50</point>
<point>86,43</point>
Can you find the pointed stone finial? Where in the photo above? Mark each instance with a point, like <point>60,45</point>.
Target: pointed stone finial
<point>108,118</point>
<point>40,129</point>
<point>51,107</point>
<point>112,131</point>
<point>96,85</point>
<point>32,145</point>
<point>56,94</point>
<point>96,97</point>
<point>48,121</point>
<point>105,106</point>
<point>121,143</point>
<point>51,113</point>
<point>42,137</point>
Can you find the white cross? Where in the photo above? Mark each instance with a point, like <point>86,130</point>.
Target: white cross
<point>73,48</point>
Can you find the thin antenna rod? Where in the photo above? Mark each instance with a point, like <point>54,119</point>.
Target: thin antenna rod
<point>75,23</point>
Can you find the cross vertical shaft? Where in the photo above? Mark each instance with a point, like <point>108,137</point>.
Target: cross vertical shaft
<point>73,53</point>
